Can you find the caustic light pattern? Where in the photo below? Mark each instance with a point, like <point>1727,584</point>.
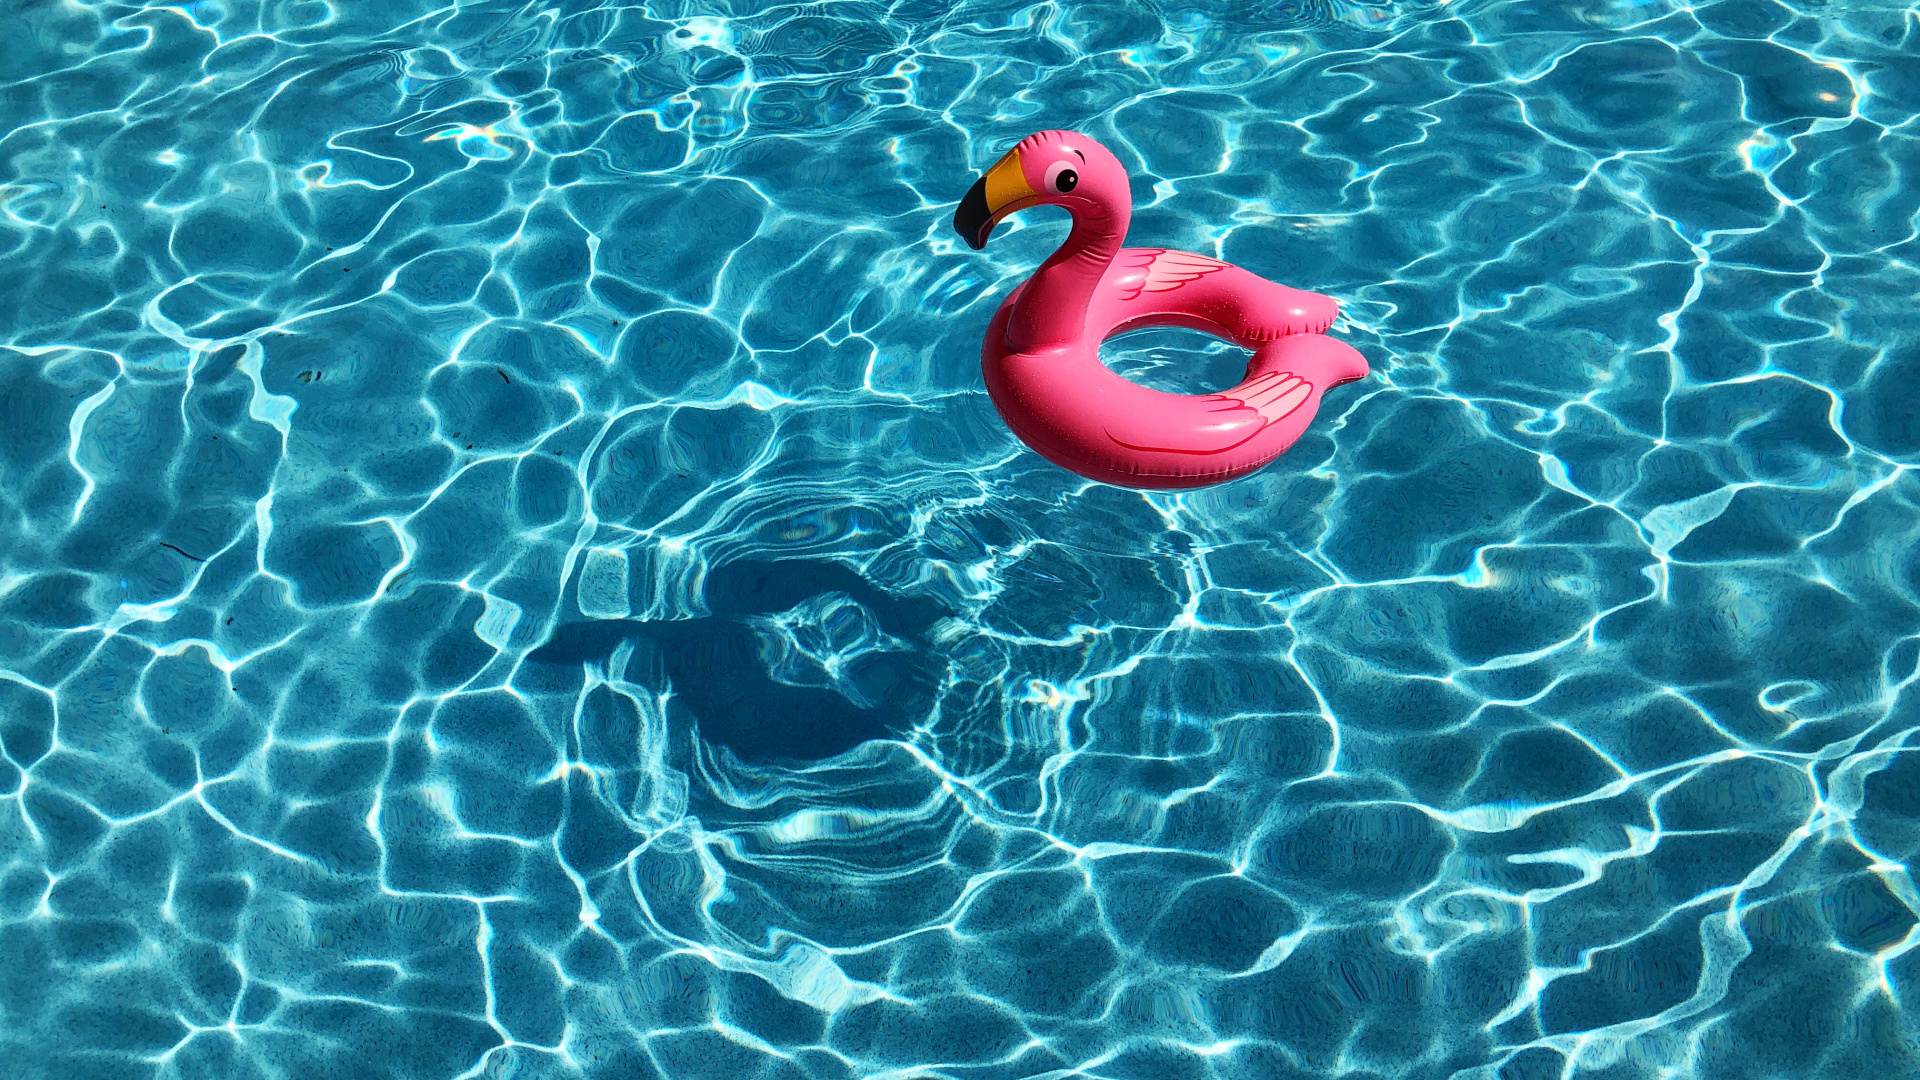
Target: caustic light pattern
<point>508,568</point>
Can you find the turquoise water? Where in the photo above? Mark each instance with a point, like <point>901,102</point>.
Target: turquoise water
<point>508,569</point>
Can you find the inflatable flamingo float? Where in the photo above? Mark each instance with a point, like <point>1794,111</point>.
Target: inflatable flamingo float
<point>1042,350</point>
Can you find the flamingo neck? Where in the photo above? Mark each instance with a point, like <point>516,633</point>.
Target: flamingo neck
<point>1052,309</point>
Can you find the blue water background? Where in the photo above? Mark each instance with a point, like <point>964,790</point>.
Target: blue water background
<point>507,568</point>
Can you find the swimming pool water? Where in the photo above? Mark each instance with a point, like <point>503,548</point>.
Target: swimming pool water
<point>507,567</point>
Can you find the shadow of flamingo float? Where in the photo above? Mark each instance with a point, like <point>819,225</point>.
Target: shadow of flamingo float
<point>1041,355</point>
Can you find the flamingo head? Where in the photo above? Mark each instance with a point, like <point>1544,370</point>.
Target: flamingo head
<point>1051,168</point>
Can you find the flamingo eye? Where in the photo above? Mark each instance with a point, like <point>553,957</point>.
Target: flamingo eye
<point>1061,178</point>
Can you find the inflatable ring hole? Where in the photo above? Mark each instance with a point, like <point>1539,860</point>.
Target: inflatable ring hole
<point>1176,360</point>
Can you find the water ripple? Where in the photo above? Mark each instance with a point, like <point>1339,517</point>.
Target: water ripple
<point>507,568</point>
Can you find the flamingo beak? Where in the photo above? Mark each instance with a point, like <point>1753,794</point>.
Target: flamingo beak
<point>1000,192</point>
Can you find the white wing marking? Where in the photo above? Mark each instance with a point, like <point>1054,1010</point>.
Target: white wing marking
<point>1172,269</point>
<point>1271,396</point>
<point>1166,270</point>
<point>1274,395</point>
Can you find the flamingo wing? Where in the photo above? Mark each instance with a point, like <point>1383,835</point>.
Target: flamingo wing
<point>1227,420</point>
<point>1274,395</point>
<point>1160,270</point>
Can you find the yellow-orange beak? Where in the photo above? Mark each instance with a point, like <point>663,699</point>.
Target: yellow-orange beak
<point>1000,192</point>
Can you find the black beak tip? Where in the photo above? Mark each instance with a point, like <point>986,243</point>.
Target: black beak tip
<point>972,220</point>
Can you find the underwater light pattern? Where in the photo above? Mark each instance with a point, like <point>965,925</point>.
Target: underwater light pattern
<point>508,567</point>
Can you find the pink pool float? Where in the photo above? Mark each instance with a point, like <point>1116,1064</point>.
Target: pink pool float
<point>1041,355</point>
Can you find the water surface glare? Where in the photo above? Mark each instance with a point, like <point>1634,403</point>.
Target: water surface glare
<point>508,569</point>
